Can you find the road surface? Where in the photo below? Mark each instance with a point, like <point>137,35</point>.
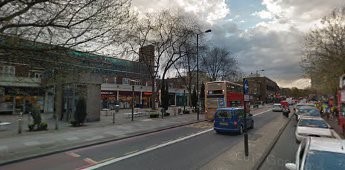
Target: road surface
<point>187,147</point>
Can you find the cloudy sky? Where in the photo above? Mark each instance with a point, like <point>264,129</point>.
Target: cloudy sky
<point>265,34</point>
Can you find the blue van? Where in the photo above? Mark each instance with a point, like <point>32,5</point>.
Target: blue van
<point>231,120</point>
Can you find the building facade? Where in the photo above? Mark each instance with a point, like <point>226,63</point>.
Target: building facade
<point>57,79</point>
<point>262,89</point>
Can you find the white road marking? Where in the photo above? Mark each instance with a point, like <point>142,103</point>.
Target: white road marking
<point>131,152</point>
<point>73,154</point>
<point>262,112</point>
<point>90,161</point>
<point>145,150</point>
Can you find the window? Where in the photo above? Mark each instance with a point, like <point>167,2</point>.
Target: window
<point>105,80</point>
<point>115,80</point>
<point>125,80</point>
<point>223,114</point>
<point>38,75</point>
<point>8,70</point>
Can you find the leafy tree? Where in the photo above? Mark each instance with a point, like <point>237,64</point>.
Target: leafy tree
<point>324,52</point>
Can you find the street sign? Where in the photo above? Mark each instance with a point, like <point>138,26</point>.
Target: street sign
<point>246,98</point>
<point>245,86</point>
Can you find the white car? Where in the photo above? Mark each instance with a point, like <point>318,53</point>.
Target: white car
<point>313,126</point>
<point>319,153</point>
<point>277,107</point>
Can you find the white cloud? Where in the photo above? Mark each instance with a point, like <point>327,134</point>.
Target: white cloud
<point>207,10</point>
<point>263,14</point>
<point>274,44</point>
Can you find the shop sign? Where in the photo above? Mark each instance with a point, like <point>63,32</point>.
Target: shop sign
<point>107,92</point>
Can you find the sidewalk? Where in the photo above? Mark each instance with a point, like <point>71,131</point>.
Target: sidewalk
<point>15,146</point>
<point>335,126</point>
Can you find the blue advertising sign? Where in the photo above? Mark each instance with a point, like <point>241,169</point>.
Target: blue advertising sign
<point>245,86</point>
<point>221,102</point>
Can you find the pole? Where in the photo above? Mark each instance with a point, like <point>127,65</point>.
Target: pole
<point>197,76</point>
<point>245,134</point>
<point>132,102</point>
<point>20,122</point>
<point>184,101</point>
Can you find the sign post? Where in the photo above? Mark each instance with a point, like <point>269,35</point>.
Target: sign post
<point>246,100</point>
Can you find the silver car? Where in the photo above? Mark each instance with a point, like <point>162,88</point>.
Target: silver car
<point>277,107</point>
<point>319,153</point>
<point>313,126</point>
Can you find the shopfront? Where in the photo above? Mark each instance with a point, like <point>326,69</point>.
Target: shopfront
<point>13,99</point>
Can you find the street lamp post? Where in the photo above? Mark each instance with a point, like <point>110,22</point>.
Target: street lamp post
<point>197,72</point>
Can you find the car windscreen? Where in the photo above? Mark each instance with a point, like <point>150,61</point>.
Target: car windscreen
<point>305,110</point>
<point>312,123</point>
<point>223,114</point>
<point>313,112</point>
<point>316,160</point>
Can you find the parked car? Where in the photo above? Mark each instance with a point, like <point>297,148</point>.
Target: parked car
<point>231,120</point>
<point>319,153</point>
<point>312,126</point>
<point>304,110</point>
<point>277,107</point>
<point>312,113</point>
<point>299,105</point>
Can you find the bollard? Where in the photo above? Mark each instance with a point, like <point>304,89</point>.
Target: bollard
<point>117,108</point>
<point>56,121</point>
<point>20,121</point>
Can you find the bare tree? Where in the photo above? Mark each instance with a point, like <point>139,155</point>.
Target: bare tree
<point>219,64</point>
<point>324,57</point>
<point>168,32</point>
<point>65,23</point>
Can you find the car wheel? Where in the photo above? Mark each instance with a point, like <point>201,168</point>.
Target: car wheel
<point>297,141</point>
<point>252,126</point>
<point>240,132</point>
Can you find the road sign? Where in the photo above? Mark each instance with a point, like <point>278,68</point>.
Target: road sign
<point>245,86</point>
<point>246,98</point>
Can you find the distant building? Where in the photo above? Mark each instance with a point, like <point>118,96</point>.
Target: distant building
<point>263,89</point>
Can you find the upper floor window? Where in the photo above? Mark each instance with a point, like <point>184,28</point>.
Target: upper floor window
<point>38,75</point>
<point>125,80</point>
<point>115,80</point>
<point>105,80</point>
<point>8,70</point>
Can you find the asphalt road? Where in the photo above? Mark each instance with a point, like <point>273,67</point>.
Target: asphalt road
<point>187,147</point>
<point>284,150</point>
